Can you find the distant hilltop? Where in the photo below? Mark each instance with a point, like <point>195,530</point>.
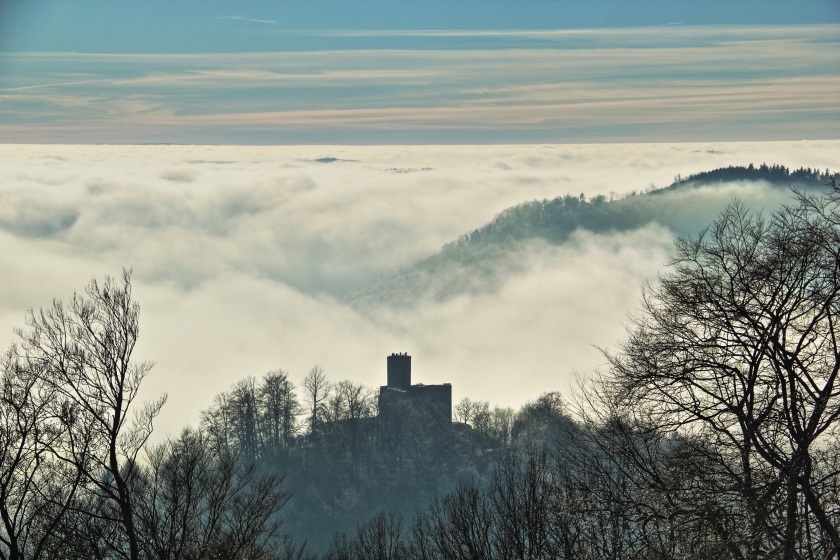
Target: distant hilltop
<point>481,260</point>
<point>555,219</point>
<point>770,173</point>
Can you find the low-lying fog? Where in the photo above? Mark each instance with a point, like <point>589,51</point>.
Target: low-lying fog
<point>247,259</point>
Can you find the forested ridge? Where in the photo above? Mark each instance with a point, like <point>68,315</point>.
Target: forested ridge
<point>712,433</point>
<point>555,219</point>
<point>347,460</point>
<point>475,259</point>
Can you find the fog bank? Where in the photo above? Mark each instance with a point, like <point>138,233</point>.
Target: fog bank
<point>246,258</point>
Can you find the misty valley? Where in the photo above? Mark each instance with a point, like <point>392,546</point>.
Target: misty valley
<point>710,431</point>
<point>419,280</point>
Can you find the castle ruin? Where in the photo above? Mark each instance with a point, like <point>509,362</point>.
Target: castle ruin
<point>399,392</point>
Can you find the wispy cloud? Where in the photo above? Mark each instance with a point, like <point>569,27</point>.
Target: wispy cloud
<point>685,83</point>
<point>604,35</point>
<point>37,86</point>
<point>551,106</point>
<point>239,78</point>
<point>252,20</point>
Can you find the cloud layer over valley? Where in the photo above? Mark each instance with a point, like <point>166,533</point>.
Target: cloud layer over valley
<point>248,259</point>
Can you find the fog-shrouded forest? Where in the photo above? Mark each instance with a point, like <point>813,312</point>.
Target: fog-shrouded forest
<point>712,432</point>
<point>481,260</point>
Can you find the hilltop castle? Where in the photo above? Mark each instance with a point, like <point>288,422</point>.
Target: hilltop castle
<point>399,392</point>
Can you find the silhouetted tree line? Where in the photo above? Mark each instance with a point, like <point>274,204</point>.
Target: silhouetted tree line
<point>772,173</point>
<point>346,460</point>
<point>554,220</point>
<point>712,433</point>
<point>472,261</point>
<point>77,478</point>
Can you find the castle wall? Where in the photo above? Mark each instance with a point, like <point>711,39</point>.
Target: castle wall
<point>439,396</point>
<point>400,393</point>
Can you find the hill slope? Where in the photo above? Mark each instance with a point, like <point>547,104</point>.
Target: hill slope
<point>481,260</point>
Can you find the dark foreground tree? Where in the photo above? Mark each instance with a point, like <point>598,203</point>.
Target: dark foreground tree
<point>195,503</point>
<point>36,489</point>
<point>73,484</point>
<point>84,351</point>
<point>737,348</point>
<point>379,538</point>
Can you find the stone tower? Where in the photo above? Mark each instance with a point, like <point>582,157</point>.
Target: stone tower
<point>399,371</point>
<point>400,396</point>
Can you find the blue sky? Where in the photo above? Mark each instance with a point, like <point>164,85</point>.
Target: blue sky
<point>158,26</point>
<point>370,72</point>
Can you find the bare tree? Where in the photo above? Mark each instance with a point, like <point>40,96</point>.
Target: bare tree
<point>523,493</point>
<point>738,346</point>
<point>217,423</point>
<point>85,352</point>
<point>279,409</point>
<point>481,417</point>
<point>461,524</point>
<point>501,424</point>
<point>464,410</point>
<point>379,538</point>
<point>541,422</point>
<point>316,388</point>
<point>194,503</point>
<point>37,490</point>
<point>255,419</point>
<point>348,405</point>
<point>245,418</point>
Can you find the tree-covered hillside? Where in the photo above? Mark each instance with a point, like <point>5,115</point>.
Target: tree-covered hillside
<point>777,174</point>
<point>473,262</point>
<point>555,219</point>
<point>345,460</point>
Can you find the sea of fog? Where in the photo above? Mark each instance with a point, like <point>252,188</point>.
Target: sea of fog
<point>247,259</point>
